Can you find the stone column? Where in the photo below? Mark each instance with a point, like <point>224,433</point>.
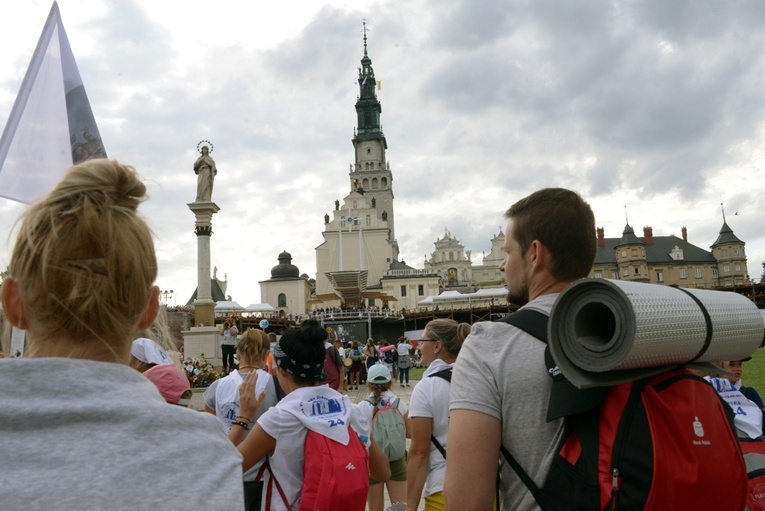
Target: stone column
<point>204,305</point>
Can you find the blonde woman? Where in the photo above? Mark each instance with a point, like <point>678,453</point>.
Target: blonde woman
<point>222,399</point>
<point>80,428</point>
<point>380,396</point>
<point>429,413</point>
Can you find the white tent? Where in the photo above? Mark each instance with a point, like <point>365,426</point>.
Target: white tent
<point>489,292</point>
<point>427,301</point>
<point>450,296</point>
<point>260,307</point>
<point>224,307</point>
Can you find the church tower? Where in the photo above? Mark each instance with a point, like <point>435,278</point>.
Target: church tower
<point>359,238</point>
<point>371,170</point>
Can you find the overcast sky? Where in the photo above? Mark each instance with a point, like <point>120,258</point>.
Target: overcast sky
<point>653,105</point>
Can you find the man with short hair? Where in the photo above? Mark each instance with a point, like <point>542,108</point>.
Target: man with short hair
<point>500,388</point>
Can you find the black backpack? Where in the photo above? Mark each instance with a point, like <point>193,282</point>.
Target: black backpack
<point>660,443</point>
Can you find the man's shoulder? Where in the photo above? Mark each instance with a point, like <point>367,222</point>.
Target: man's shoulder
<point>487,331</point>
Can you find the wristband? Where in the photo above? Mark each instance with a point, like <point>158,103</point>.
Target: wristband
<point>242,424</point>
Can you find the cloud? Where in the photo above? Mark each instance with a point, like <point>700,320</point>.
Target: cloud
<point>651,104</point>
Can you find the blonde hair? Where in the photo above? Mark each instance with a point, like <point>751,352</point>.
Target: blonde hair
<point>378,389</point>
<point>254,344</point>
<point>450,333</point>
<point>160,332</point>
<point>84,260</point>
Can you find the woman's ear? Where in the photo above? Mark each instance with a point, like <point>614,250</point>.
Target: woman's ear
<point>151,311</point>
<point>12,304</point>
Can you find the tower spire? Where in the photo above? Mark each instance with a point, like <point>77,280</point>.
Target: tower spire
<point>368,107</point>
<point>364,22</point>
<point>723,211</point>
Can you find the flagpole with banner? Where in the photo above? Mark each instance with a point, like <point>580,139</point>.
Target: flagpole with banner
<point>51,125</point>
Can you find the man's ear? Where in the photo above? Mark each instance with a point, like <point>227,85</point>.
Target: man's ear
<point>12,304</point>
<point>151,311</point>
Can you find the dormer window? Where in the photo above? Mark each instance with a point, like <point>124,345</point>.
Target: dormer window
<point>676,254</point>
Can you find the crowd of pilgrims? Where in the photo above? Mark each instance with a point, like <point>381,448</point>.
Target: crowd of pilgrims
<point>94,413</point>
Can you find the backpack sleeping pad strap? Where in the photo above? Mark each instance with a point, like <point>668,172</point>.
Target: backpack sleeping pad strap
<point>445,374</point>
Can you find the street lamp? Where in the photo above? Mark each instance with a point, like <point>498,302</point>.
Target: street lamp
<point>165,295</point>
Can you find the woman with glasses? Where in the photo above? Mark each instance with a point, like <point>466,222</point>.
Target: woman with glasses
<point>429,413</point>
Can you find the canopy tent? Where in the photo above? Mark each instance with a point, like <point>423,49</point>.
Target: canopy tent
<point>260,307</point>
<point>427,301</point>
<point>489,292</point>
<point>450,296</point>
<point>224,307</point>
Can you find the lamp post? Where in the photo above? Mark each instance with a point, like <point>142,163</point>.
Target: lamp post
<point>166,295</point>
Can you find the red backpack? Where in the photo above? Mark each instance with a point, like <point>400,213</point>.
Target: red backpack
<point>754,457</point>
<point>660,443</point>
<point>335,476</point>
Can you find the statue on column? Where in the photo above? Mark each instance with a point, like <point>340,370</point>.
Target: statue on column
<point>206,171</point>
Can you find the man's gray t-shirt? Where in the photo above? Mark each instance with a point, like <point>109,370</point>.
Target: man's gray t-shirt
<point>501,372</point>
<point>78,434</point>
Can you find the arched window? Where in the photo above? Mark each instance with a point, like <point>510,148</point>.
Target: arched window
<point>375,184</point>
<point>384,182</point>
<point>365,183</point>
<point>282,300</point>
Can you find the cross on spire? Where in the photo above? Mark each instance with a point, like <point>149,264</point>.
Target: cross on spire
<point>364,22</point>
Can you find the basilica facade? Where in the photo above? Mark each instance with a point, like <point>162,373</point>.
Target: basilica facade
<point>358,266</point>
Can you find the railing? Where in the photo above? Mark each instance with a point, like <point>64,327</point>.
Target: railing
<point>405,273</point>
<point>372,312</point>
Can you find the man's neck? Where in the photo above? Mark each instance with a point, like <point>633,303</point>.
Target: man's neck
<point>547,287</point>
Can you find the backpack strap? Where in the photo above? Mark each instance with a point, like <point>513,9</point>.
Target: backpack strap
<point>533,323</point>
<point>271,482</point>
<point>444,374</point>
<point>707,321</point>
<point>530,321</point>
<point>278,388</point>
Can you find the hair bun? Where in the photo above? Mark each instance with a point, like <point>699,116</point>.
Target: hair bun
<point>312,332</point>
<point>99,183</point>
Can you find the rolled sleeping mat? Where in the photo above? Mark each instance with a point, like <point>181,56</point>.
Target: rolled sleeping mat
<point>603,332</point>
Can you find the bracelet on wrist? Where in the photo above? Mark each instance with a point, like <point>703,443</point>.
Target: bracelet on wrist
<point>242,417</point>
<point>242,424</point>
